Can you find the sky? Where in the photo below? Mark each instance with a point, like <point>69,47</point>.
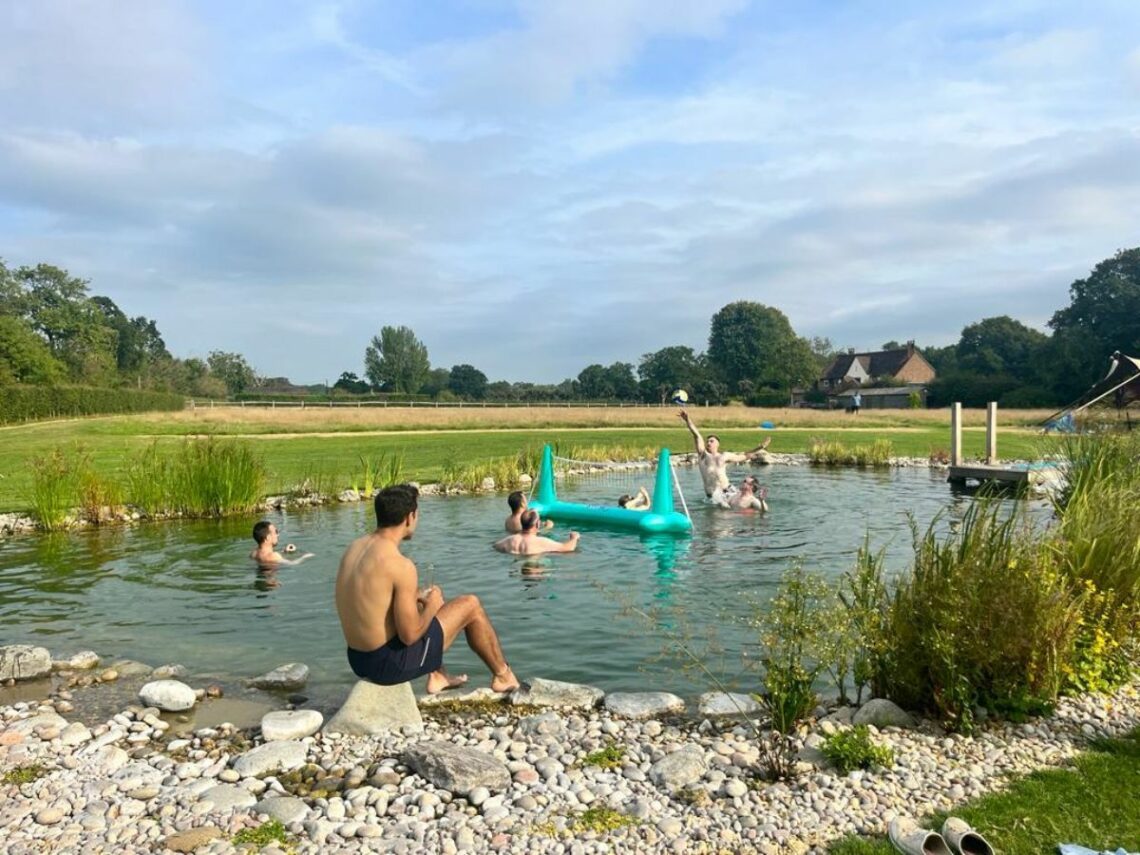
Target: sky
<point>538,185</point>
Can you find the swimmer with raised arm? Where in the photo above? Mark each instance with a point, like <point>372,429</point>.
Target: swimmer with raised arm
<point>396,631</point>
<point>640,502</point>
<point>713,463</point>
<point>750,496</point>
<point>266,537</point>
<point>530,542</point>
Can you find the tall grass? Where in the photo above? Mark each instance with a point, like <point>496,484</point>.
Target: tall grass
<point>52,492</point>
<point>213,477</point>
<point>834,453</point>
<point>149,482</point>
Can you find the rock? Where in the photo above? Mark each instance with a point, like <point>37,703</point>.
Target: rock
<point>643,704</point>
<point>284,809</point>
<point>228,796</point>
<point>294,675</point>
<point>271,757</point>
<point>678,769</point>
<point>882,713</point>
<point>169,695</point>
<point>26,727</point>
<point>479,695</point>
<point>456,769</point>
<point>348,495</point>
<point>543,724</point>
<point>554,693</point>
<point>290,724</point>
<point>188,841</point>
<point>167,672</point>
<point>371,709</point>
<point>49,816</point>
<point>24,662</point>
<point>727,703</point>
<point>840,718</point>
<point>75,733</point>
<point>84,660</point>
<point>131,668</point>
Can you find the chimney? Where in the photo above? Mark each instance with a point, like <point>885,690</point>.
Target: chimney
<point>910,348</point>
<point>850,350</point>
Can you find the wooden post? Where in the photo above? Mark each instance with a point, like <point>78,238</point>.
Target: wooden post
<point>991,432</point>
<point>956,434</point>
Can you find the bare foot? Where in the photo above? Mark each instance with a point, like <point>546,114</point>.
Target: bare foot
<point>438,681</point>
<point>504,681</point>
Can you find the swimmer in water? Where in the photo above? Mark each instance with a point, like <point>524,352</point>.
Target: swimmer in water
<point>530,542</point>
<point>640,502</point>
<point>750,496</point>
<point>713,463</point>
<point>266,554</point>
<point>517,502</point>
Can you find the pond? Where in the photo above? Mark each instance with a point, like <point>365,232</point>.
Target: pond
<point>186,592</point>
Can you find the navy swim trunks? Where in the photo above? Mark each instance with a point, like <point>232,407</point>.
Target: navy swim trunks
<point>396,662</point>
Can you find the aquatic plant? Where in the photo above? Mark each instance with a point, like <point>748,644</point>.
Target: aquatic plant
<point>52,492</point>
<point>833,453</point>
<point>98,494</point>
<point>369,475</point>
<point>148,480</point>
<point>391,470</point>
<point>214,477</point>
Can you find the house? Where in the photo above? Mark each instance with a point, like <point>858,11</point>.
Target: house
<point>904,366</point>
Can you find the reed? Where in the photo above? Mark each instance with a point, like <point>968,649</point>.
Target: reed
<point>215,477</point>
<point>148,481</point>
<point>834,453</point>
<point>52,493</point>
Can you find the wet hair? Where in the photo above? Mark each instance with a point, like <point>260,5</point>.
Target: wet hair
<point>394,504</point>
<point>261,531</point>
<point>529,520</point>
<point>515,501</point>
<point>625,500</point>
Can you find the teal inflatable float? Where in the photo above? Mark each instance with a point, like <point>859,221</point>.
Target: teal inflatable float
<point>661,518</point>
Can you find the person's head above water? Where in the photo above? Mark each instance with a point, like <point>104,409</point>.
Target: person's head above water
<point>712,443</point>
<point>529,520</point>
<point>516,500</point>
<point>625,500</point>
<point>396,506</point>
<point>263,531</point>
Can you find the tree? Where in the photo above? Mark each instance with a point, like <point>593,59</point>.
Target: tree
<point>1001,345</point>
<point>594,383</point>
<point>467,381</point>
<point>24,358</point>
<point>349,382</point>
<point>1103,316</point>
<point>892,345</point>
<point>397,361</point>
<point>233,370</point>
<point>57,306</point>
<point>621,380</point>
<point>751,341</point>
<point>438,383</point>
<point>667,369</point>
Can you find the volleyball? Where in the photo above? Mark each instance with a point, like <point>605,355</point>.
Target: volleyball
<point>680,396</point>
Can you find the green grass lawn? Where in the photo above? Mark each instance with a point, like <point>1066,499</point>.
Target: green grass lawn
<point>333,459</point>
<point>1095,804</point>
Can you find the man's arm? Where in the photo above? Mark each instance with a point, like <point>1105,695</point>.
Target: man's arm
<point>568,545</point>
<point>700,444</point>
<point>411,621</point>
<point>293,562</point>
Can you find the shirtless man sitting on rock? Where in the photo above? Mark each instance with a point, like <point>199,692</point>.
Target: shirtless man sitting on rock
<point>530,542</point>
<point>396,631</point>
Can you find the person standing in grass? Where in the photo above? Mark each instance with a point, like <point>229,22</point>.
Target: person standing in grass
<point>530,542</point>
<point>266,555</point>
<point>396,631</point>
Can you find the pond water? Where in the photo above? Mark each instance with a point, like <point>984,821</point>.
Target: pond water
<point>186,592</point>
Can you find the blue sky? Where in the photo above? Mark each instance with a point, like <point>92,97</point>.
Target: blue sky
<point>538,185</point>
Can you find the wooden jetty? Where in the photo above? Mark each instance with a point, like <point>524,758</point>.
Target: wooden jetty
<point>992,470</point>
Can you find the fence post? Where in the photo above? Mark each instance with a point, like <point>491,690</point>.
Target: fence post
<point>956,434</point>
<point>991,432</point>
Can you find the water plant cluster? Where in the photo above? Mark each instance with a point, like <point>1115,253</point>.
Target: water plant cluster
<point>196,478</point>
<point>995,615</point>
<point>828,452</point>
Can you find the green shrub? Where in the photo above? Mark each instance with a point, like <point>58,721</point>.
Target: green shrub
<point>53,491</point>
<point>853,749</point>
<point>213,477</point>
<point>24,774</point>
<point>609,757</point>
<point>149,482</point>
<point>31,403</point>
<point>268,832</point>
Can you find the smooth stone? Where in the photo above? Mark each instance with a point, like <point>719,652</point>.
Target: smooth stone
<point>188,841</point>
<point>293,675</point>
<point>84,660</point>
<point>75,733</point>
<point>169,695</point>
<point>543,724</point>
<point>643,704</point>
<point>456,769</point>
<point>284,809</point>
<point>555,693</point>
<point>840,718</point>
<point>49,816</point>
<point>228,796</point>
<point>678,769</point>
<point>727,703</point>
<point>371,710</point>
<point>168,672</point>
<point>24,662</point>
<point>883,713</point>
<point>290,724</point>
<point>28,726</point>
<point>131,668</point>
<point>271,757</point>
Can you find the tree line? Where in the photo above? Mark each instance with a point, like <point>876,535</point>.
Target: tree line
<point>54,331</point>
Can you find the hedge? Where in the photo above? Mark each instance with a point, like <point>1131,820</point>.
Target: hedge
<point>30,403</point>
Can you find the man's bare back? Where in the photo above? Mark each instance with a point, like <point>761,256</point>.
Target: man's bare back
<point>364,585</point>
<point>530,542</point>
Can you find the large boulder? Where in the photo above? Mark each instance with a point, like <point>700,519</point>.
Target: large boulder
<point>284,809</point>
<point>643,704</point>
<point>290,724</point>
<point>371,709</point>
<point>883,713</point>
<point>678,769</point>
<point>727,703</point>
<point>288,677</point>
<point>271,757</point>
<point>456,769</point>
<point>227,797</point>
<point>554,693</point>
<point>24,662</point>
<point>169,695</point>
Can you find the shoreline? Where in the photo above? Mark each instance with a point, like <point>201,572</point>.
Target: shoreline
<point>133,782</point>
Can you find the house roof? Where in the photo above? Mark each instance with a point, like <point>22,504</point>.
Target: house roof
<point>881,392</point>
<point>878,363</point>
